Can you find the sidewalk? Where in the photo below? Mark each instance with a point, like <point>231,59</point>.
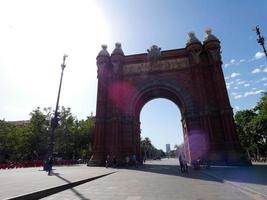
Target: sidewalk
<point>251,179</point>
<point>17,182</point>
<point>155,180</point>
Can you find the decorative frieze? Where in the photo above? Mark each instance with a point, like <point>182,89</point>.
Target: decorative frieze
<point>162,65</point>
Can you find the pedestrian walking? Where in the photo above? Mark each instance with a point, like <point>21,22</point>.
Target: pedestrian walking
<point>114,161</point>
<point>134,160</point>
<point>127,159</point>
<point>107,162</point>
<point>49,166</point>
<point>183,163</point>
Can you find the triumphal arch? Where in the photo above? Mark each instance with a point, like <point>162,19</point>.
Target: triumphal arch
<point>191,77</point>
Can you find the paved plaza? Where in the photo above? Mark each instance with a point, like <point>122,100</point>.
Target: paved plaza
<point>159,179</point>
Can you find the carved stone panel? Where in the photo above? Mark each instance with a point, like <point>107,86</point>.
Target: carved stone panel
<point>163,65</point>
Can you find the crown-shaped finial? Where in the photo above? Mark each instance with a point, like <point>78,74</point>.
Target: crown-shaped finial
<point>104,51</point>
<point>209,36</point>
<point>192,38</point>
<point>117,50</point>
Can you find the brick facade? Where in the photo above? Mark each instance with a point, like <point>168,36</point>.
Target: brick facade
<point>191,77</point>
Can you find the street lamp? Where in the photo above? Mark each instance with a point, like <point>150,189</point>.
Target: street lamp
<point>260,39</point>
<point>54,121</point>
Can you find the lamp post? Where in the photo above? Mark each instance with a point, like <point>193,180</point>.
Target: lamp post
<point>54,120</point>
<point>260,39</point>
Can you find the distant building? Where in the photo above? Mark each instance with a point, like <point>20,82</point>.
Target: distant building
<point>168,148</point>
<point>19,123</point>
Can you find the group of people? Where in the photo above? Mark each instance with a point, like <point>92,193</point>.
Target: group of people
<point>112,162</point>
<point>132,161</point>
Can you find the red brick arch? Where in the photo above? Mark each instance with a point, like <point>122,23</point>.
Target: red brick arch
<point>191,77</point>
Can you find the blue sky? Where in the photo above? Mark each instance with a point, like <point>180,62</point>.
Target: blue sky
<point>35,35</point>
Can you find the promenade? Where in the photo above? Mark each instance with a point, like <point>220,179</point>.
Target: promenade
<point>155,180</point>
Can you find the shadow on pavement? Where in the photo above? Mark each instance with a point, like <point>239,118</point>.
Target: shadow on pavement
<point>173,170</point>
<point>53,190</point>
<point>79,195</point>
<point>256,174</point>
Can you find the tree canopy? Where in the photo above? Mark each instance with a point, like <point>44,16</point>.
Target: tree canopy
<point>29,141</point>
<point>149,151</point>
<point>252,128</point>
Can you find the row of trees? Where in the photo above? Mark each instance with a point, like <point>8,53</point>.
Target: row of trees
<point>252,129</point>
<point>149,151</point>
<point>29,141</point>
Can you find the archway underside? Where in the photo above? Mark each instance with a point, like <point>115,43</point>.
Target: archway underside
<point>196,137</point>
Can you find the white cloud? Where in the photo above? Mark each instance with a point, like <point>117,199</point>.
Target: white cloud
<point>238,79</point>
<point>228,84</point>
<point>234,93</point>
<point>260,80</point>
<point>246,85</point>
<point>237,107</point>
<point>235,74</point>
<point>226,77</point>
<point>257,70</point>
<point>235,88</point>
<point>240,61</point>
<point>252,93</point>
<point>259,55</point>
<point>238,96</point>
<point>265,84</point>
<point>254,88</point>
<point>234,62</point>
<point>240,82</point>
<point>231,62</point>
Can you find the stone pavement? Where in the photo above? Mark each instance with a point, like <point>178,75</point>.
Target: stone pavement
<point>155,180</point>
<point>251,179</point>
<point>16,182</point>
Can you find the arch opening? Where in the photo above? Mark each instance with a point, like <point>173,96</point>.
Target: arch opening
<point>180,101</point>
<point>160,123</point>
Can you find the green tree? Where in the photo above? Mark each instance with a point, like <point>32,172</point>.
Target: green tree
<point>7,140</point>
<point>38,133</point>
<point>64,134</point>
<point>84,138</point>
<point>260,124</point>
<point>252,128</point>
<point>261,107</point>
<point>73,138</point>
<point>148,150</point>
<point>146,147</point>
